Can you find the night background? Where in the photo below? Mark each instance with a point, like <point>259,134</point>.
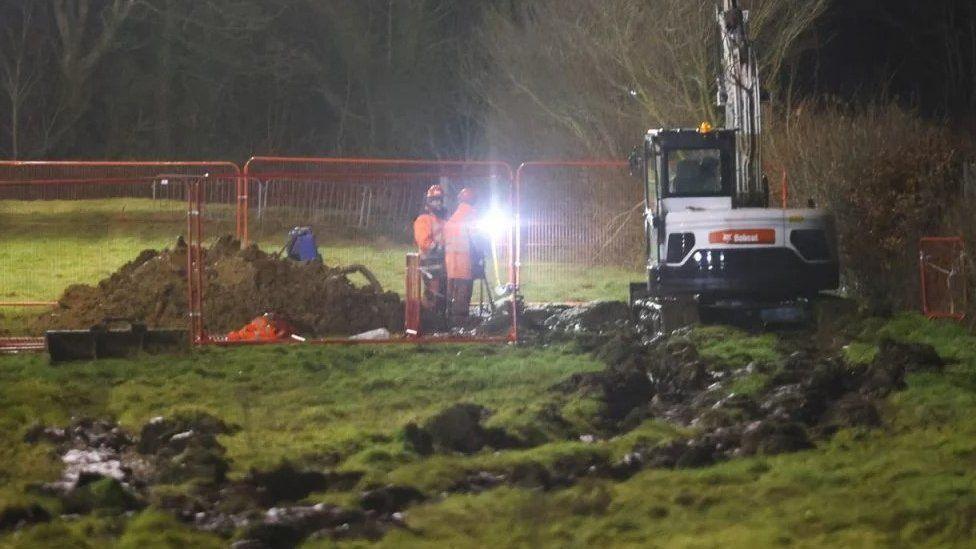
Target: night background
<point>415,273</point>
<point>228,79</point>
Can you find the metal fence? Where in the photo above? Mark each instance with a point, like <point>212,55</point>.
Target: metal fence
<point>362,213</point>
<point>46,197</point>
<point>65,223</point>
<point>581,230</point>
<point>64,231</point>
<point>942,265</point>
<point>53,180</point>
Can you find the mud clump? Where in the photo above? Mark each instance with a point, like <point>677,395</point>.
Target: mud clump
<point>289,483</point>
<point>286,527</point>
<point>774,436</point>
<point>100,470</point>
<point>390,498</point>
<point>909,357</point>
<point>178,465</point>
<point>240,284</point>
<point>851,410</point>
<point>622,388</point>
<point>457,428</point>
<point>18,516</point>
<point>185,448</point>
<point>595,317</point>
<point>104,494</point>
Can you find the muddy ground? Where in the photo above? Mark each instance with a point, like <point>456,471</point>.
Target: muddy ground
<point>790,405</point>
<point>241,284</point>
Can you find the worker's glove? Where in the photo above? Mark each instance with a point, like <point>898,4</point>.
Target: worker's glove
<point>436,254</point>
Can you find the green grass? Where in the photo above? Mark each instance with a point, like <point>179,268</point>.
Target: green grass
<point>304,404</point>
<point>910,483</point>
<point>577,283</point>
<point>734,348</point>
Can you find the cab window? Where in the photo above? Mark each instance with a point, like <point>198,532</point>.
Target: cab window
<point>694,172</point>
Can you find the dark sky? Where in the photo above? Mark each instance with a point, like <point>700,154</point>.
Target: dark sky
<point>920,51</point>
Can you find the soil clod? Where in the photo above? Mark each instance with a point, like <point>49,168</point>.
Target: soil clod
<point>459,428</point>
<point>595,317</point>
<point>390,499</point>
<point>17,516</point>
<point>288,483</point>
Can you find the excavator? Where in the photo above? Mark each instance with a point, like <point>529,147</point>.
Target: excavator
<point>716,250</point>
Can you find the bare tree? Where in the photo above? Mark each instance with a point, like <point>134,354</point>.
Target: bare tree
<point>591,75</point>
<point>85,34</point>
<point>19,73</point>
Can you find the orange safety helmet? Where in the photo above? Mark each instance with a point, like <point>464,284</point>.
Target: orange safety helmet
<point>467,195</point>
<point>434,201</point>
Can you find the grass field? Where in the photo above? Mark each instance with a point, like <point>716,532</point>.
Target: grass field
<point>909,483</point>
<point>46,246</point>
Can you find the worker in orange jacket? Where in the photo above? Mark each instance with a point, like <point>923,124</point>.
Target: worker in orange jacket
<point>428,233</point>
<point>462,258</point>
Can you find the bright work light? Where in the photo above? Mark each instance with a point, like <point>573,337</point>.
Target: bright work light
<point>495,224</point>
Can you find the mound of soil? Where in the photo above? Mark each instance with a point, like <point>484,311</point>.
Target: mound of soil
<point>241,284</point>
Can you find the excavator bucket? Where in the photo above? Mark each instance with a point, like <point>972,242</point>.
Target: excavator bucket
<point>113,338</point>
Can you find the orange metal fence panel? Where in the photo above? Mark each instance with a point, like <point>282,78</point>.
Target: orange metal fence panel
<point>581,231</point>
<point>64,227</point>
<point>942,266</point>
<point>75,222</point>
<point>51,180</point>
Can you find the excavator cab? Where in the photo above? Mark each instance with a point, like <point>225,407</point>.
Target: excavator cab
<point>690,168</point>
<point>684,170</point>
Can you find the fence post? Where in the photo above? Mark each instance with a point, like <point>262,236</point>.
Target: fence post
<point>943,260</point>
<point>413,296</point>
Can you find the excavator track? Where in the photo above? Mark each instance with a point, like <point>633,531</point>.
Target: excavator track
<point>658,316</point>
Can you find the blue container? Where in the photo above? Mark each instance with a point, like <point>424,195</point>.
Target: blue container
<point>301,245</point>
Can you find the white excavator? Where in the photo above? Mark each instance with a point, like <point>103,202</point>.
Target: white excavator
<point>716,249</point>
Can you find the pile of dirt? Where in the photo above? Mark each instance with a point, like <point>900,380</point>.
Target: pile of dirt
<point>241,284</point>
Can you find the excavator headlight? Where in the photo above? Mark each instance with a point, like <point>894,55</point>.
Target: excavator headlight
<point>679,244</point>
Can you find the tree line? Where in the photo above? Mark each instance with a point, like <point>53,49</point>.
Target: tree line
<point>228,78</point>
<point>507,79</point>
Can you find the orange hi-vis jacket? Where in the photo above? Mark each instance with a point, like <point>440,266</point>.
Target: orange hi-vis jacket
<point>428,232</point>
<point>457,242</point>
